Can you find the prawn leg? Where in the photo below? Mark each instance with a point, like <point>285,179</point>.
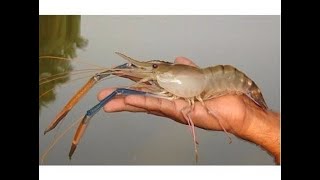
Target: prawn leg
<point>186,111</point>
<point>214,115</point>
<point>79,94</point>
<point>91,112</point>
<point>73,101</point>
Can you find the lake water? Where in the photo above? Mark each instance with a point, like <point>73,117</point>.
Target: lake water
<point>250,43</point>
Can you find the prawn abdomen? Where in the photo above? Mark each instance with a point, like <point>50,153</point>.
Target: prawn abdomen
<point>226,79</point>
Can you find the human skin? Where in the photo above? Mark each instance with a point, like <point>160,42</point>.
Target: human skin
<point>236,113</point>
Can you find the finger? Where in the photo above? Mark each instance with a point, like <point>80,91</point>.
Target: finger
<point>184,60</point>
<point>118,105</point>
<point>123,107</point>
<point>163,106</point>
<point>156,113</point>
<point>104,93</point>
<point>149,103</point>
<point>121,104</point>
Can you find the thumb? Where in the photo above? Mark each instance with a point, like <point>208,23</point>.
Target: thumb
<point>184,60</point>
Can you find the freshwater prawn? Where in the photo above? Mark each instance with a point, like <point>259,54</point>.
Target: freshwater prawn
<point>170,81</point>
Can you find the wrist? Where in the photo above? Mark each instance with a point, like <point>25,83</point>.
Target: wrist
<point>264,130</point>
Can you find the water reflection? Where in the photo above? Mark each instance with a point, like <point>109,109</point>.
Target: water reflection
<point>59,36</point>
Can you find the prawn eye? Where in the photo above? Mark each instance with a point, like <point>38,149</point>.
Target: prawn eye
<point>154,65</point>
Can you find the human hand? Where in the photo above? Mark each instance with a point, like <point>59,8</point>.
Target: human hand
<point>236,113</point>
